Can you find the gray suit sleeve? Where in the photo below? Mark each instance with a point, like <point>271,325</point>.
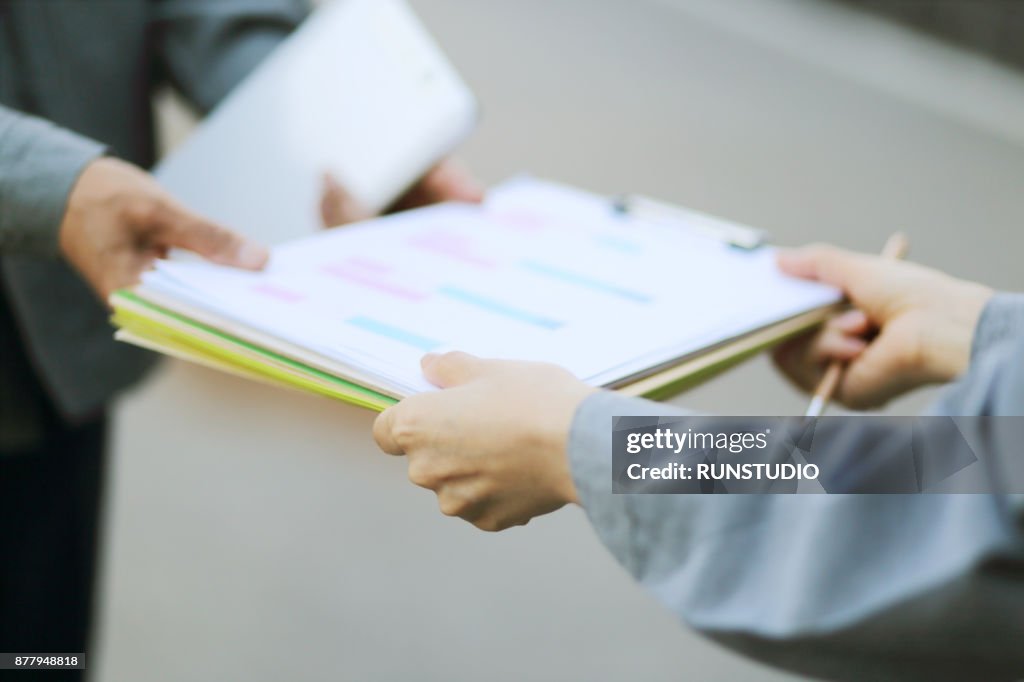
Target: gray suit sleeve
<point>39,164</point>
<point>207,48</point>
<point>841,586</point>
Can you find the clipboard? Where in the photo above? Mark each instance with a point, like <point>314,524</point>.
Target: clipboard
<point>667,382</point>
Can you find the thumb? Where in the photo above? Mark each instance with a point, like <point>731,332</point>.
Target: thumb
<point>452,369</point>
<point>826,264</point>
<point>183,229</point>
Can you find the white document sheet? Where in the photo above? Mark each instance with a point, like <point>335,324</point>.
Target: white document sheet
<point>540,272</point>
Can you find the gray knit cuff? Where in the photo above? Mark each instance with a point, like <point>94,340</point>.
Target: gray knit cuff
<point>39,165</point>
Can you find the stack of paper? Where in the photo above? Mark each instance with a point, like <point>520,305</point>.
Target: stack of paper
<point>539,272</point>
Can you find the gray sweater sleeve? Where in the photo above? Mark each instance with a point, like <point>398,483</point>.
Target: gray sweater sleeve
<point>841,586</point>
<point>39,164</point>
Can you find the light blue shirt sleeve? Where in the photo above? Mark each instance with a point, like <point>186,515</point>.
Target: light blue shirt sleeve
<point>840,586</point>
<point>1001,320</point>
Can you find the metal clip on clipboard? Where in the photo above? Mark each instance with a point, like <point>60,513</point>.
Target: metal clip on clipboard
<point>645,208</point>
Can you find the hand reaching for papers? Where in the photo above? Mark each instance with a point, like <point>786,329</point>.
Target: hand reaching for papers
<point>911,326</point>
<point>492,450</point>
<point>447,181</point>
<point>119,221</point>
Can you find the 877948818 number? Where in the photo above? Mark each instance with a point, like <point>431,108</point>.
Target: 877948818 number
<point>42,661</point>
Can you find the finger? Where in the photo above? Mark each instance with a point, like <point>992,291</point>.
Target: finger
<point>791,358</point>
<point>834,345</point>
<point>453,369</point>
<point>180,228</point>
<point>803,360</point>
<point>449,181</point>
<point>462,498</point>
<point>384,431</point>
<point>338,206</point>
<point>877,375</point>
<point>446,181</point>
<point>125,273</point>
<point>852,323</point>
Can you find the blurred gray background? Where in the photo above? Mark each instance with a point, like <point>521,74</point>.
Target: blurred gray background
<point>258,534</point>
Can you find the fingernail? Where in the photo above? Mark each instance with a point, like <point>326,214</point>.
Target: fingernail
<point>252,256</point>
<point>473,192</point>
<point>850,321</point>
<point>853,346</point>
<point>331,182</point>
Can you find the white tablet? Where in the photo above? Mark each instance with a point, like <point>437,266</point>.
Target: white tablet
<point>360,90</point>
